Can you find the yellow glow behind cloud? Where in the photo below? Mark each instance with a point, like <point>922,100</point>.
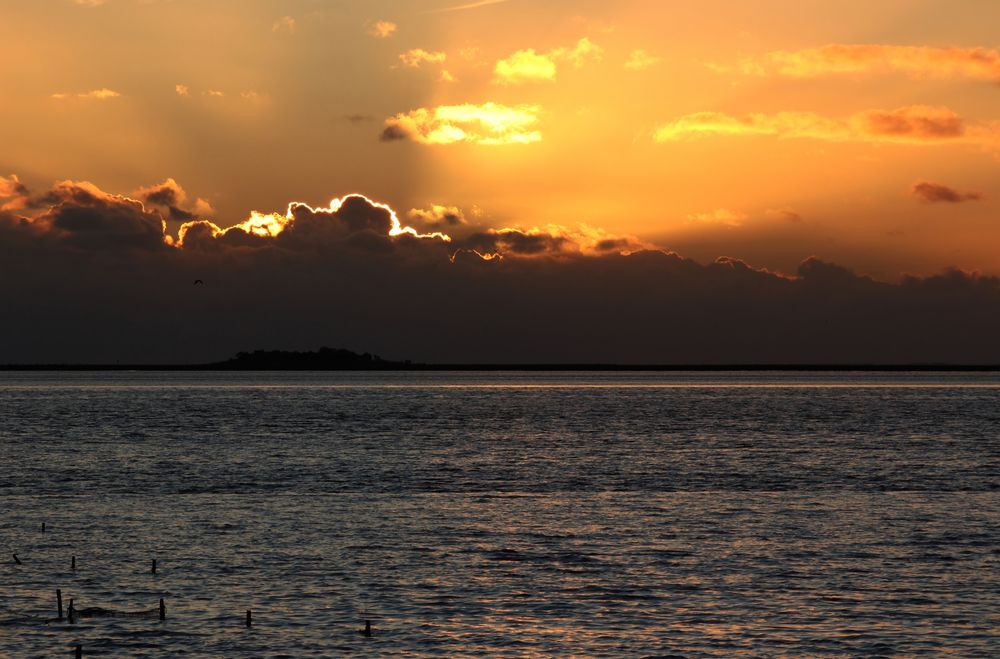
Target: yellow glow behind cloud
<point>487,124</point>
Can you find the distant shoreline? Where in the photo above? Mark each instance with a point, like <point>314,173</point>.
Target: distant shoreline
<point>339,359</point>
<point>224,367</point>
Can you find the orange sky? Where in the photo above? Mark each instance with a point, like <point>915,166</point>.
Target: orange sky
<point>769,131</point>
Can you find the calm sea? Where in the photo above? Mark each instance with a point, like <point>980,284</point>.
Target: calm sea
<point>502,514</point>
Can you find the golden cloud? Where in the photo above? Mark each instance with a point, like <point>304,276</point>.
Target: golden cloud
<point>489,124</point>
<point>582,52</point>
<point>530,66</point>
<point>285,24</point>
<point>860,59</point>
<point>11,186</point>
<point>915,124</point>
<point>382,29</point>
<point>471,5</point>
<point>14,191</point>
<point>102,94</point>
<point>415,57</point>
<point>525,66</point>
<point>722,216</point>
<point>640,60</point>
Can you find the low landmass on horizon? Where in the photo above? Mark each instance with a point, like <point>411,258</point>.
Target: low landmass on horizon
<point>334,359</point>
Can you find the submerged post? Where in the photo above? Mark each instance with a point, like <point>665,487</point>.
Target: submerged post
<point>72,565</point>
<point>249,619</point>
<point>154,566</point>
<point>16,559</point>
<point>43,527</point>
<point>163,610</point>
<point>368,628</point>
<point>71,612</point>
<point>59,602</point>
<point>79,651</point>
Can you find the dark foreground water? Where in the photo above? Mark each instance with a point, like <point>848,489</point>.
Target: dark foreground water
<point>502,514</point>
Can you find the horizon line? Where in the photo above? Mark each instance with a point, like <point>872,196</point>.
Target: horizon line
<point>552,367</point>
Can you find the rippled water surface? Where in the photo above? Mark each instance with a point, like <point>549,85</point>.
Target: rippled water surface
<point>597,514</point>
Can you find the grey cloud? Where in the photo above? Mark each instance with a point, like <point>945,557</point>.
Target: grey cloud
<point>936,193</point>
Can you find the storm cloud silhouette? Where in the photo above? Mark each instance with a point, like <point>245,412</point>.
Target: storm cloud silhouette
<point>92,277</point>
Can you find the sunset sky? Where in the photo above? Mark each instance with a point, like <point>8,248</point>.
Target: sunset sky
<point>865,134</point>
<point>252,104</point>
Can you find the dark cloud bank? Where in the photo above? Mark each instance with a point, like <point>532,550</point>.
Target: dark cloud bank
<point>89,277</point>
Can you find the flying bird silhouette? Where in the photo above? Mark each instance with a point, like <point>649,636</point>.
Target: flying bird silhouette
<point>198,282</point>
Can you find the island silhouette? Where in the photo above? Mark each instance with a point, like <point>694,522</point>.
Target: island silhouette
<point>340,359</point>
<point>324,359</point>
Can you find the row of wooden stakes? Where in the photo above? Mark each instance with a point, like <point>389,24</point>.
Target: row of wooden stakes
<point>72,563</point>
<point>72,614</point>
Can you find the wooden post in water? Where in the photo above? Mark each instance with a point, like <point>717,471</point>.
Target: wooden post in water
<point>163,610</point>
<point>17,560</point>
<point>79,651</point>
<point>59,602</point>
<point>71,612</point>
<point>249,619</point>
<point>154,566</point>
<point>72,565</point>
<point>43,527</point>
<point>368,628</point>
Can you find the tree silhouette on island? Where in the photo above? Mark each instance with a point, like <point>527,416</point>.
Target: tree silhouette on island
<point>324,359</point>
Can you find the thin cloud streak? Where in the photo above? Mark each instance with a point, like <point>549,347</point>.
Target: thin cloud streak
<point>871,59</point>
<point>914,124</point>
<point>102,94</point>
<point>471,5</point>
